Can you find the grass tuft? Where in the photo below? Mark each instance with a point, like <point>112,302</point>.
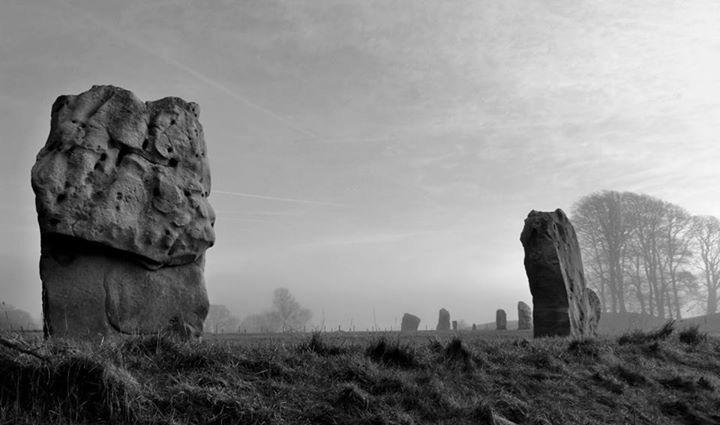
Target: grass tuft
<point>692,336</point>
<point>392,354</point>
<point>640,337</point>
<point>456,351</point>
<point>317,345</point>
<point>584,347</point>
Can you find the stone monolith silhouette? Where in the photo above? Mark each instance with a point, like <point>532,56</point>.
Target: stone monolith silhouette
<point>409,323</point>
<point>455,325</point>
<point>500,320</point>
<point>524,316</point>
<point>553,263</point>
<point>121,190</point>
<point>443,320</point>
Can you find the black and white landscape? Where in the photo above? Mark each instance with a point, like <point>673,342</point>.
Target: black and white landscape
<point>312,211</point>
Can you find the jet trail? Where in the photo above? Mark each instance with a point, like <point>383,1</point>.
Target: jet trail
<point>277,198</point>
<point>107,27</point>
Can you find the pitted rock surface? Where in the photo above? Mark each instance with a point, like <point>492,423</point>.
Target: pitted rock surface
<point>524,316</point>
<point>409,323</point>
<point>121,190</point>
<point>553,263</point>
<point>443,320</point>
<point>127,174</point>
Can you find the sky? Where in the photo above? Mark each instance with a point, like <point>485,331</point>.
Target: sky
<point>379,157</point>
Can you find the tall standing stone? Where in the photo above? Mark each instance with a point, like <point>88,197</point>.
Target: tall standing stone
<point>455,325</point>
<point>409,323</point>
<point>443,320</point>
<point>500,320</point>
<point>553,263</point>
<point>121,190</point>
<point>595,310</point>
<point>524,316</point>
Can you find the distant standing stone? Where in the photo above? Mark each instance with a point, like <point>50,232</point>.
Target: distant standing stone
<point>474,327</point>
<point>524,316</point>
<point>409,323</point>
<point>454,325</point>
<point>121,190</point>
<point>443,320</point>
<point>553,263</point>
<point>500,320</point>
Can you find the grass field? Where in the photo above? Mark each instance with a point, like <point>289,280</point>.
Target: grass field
<point>660,377</point>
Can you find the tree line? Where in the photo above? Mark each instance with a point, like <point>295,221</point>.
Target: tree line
<point>15,319</point>
<point>285,315</point>
<point>642,254</point>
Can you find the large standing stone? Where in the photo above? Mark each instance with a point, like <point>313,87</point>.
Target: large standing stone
<point>443,320</point>
<point>594,311</point>
<point>524,316</point>
<point>410,323</point>
<point>500,320</point>
<point>553,265</point>
<point>121,190</point>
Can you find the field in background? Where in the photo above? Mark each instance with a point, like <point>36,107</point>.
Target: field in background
<point>610,325</point>
<point>354,338</point>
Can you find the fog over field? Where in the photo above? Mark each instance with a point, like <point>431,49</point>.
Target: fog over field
<point>379,155</point>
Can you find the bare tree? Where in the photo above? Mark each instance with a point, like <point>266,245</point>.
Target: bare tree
<point>636,251</point>
<point>287,315</point>
<point>676,245</point>
<point>12,318</point>
<point>706,236</point>
<point>262,323</point>
<point>290,314</point>
<point>600,221</point>
<point>220,318</point>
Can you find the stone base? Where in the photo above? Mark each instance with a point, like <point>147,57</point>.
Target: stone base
<point>93,296</point>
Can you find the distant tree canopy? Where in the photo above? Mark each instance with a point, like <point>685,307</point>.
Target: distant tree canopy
<point>14,319</point>
<point>220,319</point>
<point>287,315</point>
<point>646,255</point>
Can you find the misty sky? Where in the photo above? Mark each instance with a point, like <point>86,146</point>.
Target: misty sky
<point>379,154</point>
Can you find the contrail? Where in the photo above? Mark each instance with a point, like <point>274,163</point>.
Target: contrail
<point>277,198</point>
<point>200,76</point>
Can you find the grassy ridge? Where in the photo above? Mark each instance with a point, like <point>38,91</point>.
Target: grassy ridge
<point>660,377</point>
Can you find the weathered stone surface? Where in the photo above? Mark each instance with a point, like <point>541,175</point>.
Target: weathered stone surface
<point>127,174</point>
<point>410,323</point>
<point>121,191</point>
<point>443,320</point>
<point>94,295</point>
<point>553,265</point>
<point>500,320</point>
<point>524,316</point>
